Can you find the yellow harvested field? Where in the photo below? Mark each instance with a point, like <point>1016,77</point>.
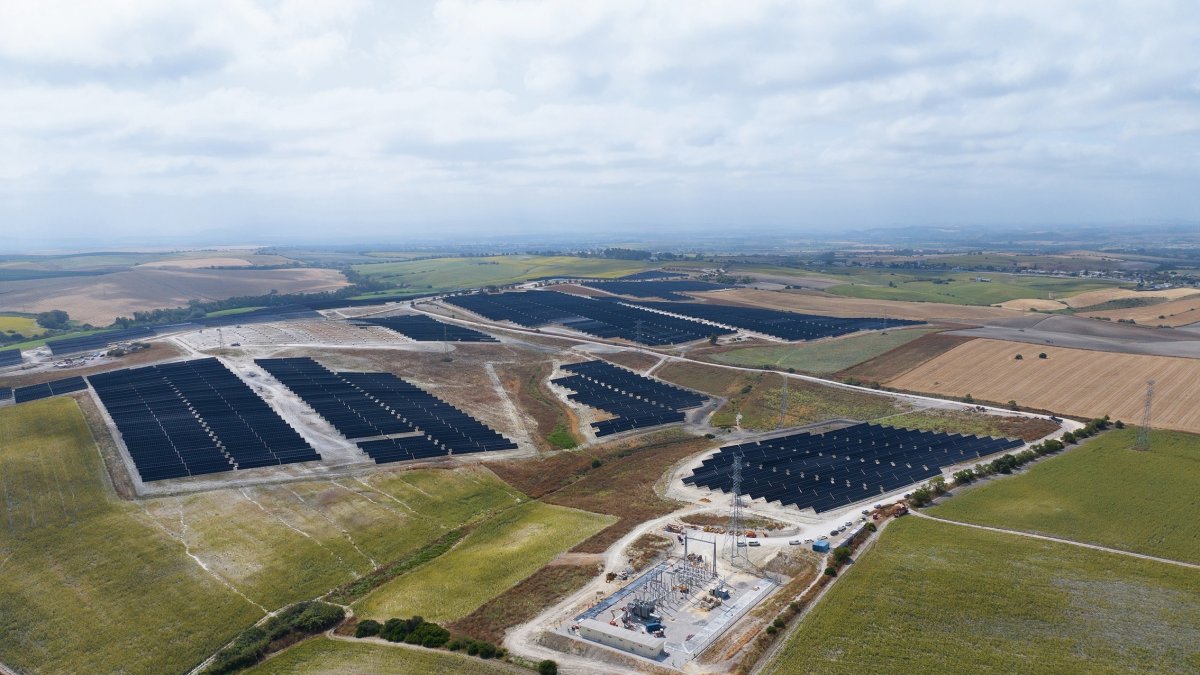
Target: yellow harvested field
<point>1069,381</point>
<point>831,305</point>
<point>1175,313</point>
<point>1109,294</point>
<point>1026,304</point>
<point>100,299</point>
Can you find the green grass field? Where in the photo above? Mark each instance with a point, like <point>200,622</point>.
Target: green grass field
<point>821,358</point>
<point>19,323</point>
<point>323,656</point>
<point>442,274</point>
<point>89,583</point>
<point>73,554</point>
<point>935,597</point>
<point>496,555</point>
<point>1102,492</point>
<point>962,289</point>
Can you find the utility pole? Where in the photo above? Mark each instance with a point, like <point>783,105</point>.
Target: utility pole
<point>736,533</point>
<point>1143,434</point>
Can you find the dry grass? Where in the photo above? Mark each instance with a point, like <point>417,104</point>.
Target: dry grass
<point>1070,381</point>
<point>524,601</point>
<point>832,305</point>
<point>646,549</point>
<point>638,361</point>
<point>100,299</point>
<point>978,423</point>
<point>1026,304</point>
<point>750,522</point>
<point>904,358</point>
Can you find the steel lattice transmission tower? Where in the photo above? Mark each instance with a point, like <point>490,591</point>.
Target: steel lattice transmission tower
<point>1143,434</point>
<point>736,534</point>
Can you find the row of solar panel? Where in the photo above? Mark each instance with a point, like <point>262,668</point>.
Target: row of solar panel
<point>6,393</point>
<point>402,449</point>
<point>96,340</point>
<point>195,417</point>
<point>384,404</point>
<point>9,357</point>
<point>637,401</point>
<point>599,317</point>
<point>425,329</point>
<point>669,290</point>
<point>829,471</point>
<point>783,325</point>
<point>35,391</point>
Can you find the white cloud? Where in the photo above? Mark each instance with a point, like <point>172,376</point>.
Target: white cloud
<point>545,110</point>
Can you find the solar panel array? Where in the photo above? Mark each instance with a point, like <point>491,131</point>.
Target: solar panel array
<point>193,418</point>
<point>598,317</point>
<point>95,341</point>
<point>838,468</point>
<point>6,393</point>
<point>784,325</point>
<point>9,357</point>
<point>425,329</point>
<point>35,391</point>
<point>651,274</point>
<point>364,405</point>
<point>669,290</point>
<point>637,401</point>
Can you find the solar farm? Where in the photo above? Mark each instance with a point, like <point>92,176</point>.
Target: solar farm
<point>422,328</point>
<point>96,340</point>
<point>667,290</point>
<point>635,401</point>
<point>834,470</point>
<point>193,418</point>
<point>600,318</point>
<point>413,423</point>
<point>789,326</point>
<point>9,357</point>
<point>34,392</point>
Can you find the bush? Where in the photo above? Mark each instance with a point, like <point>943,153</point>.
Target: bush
<point>304,618</point>
<point>596,463</point>
<point>1018,357</point>
<point>1119,424</point>
<point>367,628</point>
<point>830,572</point>
<point>1043,356</point>
<point>871,527</point>
<point>771,630</point>
<point>547,667</point>
<point>841,555</point>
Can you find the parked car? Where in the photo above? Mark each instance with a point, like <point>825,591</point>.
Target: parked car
<point>849,523</point>
<point>808,541</point>
<point>756,543</point>
<point>833,533</point>
<point>822,537</point>
<point>794,542</point>
<point>741,543</point>
<point>867,512</point>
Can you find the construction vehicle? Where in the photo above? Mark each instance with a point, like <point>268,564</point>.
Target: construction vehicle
<point>751,533</point>
<point>673,528</point>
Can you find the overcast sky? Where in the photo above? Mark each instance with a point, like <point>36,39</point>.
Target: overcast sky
<point>360,119</point>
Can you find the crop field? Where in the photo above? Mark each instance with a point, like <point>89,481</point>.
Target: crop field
<point>936,597</point>
<point>100,299</point>
<point>904,358</point>
<point>1171,313</point>
<point>821,358</point>
<point>1103,492</point>
<point>442,274</point>
<point>74,555</point>
<point>832,305</point>
<point>959,288</point>
<point>525,601</point>
<point>1027,304</point>
<point>1093,298</point>
<point>25,325</point>
<point>1069,381</point>
<point>326,656</point>
<point>64,535</point>
<point>497,554</point>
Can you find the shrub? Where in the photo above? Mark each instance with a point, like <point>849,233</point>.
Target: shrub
<point>1018,357</point>
<point>547,667</point>
<point>871,527</point>
<point>778,622</point>
<point>830,572</point>
<point>1068,438</point>
<point>771,630</point>
<point>1043,356</point>
<point>367,628</point>
<point>841,555</point>
<point>1119,424</point>
<point>596,463</point>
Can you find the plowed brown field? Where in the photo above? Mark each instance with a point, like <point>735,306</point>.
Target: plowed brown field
<point>830,305</point>
<point>1070,381</point>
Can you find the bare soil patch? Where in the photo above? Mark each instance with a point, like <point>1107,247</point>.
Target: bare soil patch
<point>525,600</point>
<point>638,361</point>
<point>903,358</point>
<point>158,351</point>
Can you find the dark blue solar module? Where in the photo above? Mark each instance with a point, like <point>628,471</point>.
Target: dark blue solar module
<point>425,329</point>
<point>6,393</point>
<point>604,318</point>
<point>637,401</point>
<point>651,274</point>
<point>837,468</point>
<point>783,325</point>
<point>193,418</point>
<point>364,405</point>
<point>35,391</point>
<point>668,290</point>
<point>9,357</point>
<point>96,341</point>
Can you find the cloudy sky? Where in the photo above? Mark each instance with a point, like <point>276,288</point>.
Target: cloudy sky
<point>342,118</point>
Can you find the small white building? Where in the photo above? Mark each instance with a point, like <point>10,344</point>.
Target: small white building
<point>634,642</point>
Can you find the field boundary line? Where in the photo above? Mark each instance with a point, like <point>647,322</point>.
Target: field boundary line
<point>1058,540</point>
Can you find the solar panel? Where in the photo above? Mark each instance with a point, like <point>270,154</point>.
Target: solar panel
<point>637,401</point>
<point>9,357</point>
<point>789,326</point>
<point>34,392</point>
<point>425,329</point>
<point>96,340</point>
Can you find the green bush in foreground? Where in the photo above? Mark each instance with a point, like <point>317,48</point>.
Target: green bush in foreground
<point>299,620</point>
<point>367,628</point>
